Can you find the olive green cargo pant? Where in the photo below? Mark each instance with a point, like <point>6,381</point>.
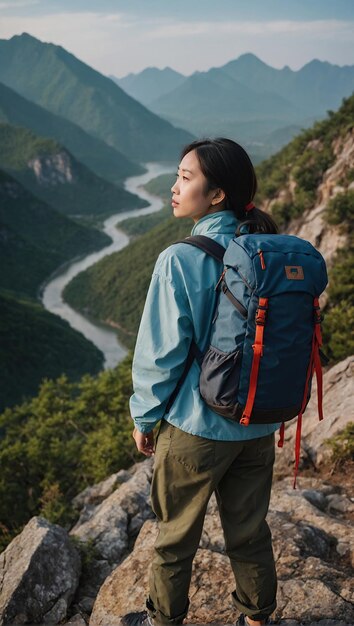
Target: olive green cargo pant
<point>188,469</point>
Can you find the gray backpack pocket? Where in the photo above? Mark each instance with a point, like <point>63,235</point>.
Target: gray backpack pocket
<point>219,379</point>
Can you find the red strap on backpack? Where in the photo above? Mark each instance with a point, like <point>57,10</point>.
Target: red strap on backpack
<point>314,365</point>
<point>261,315</point>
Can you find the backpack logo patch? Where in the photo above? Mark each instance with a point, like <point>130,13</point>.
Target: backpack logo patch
<point>294,272</point>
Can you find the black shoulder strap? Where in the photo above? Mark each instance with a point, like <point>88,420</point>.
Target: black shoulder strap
<point>214,249</point>
<point>194,353</point>
<point>208,245</point>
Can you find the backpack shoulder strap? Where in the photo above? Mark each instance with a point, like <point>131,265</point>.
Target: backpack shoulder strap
<point>208,245</point>
<point>214,249</point>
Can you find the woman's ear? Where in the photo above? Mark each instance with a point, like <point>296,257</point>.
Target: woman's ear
<point>218,197</point>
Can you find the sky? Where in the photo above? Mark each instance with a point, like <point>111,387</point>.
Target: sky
<point>122,36</point>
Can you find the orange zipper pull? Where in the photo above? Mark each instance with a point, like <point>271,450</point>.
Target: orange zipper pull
<point>263,266</point>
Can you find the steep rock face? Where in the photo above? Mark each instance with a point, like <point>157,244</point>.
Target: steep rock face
<point>39,573</point>
<point>52,170</point>
<point>312,225</point>
<point>312,552</point>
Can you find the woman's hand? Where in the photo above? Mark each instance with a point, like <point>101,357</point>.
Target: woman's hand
<point>144,442</point>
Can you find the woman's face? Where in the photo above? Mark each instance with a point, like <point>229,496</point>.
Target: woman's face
<point>189,198</point>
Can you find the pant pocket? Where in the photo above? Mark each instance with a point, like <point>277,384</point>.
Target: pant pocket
<point>195,453</point>
<point>266,449</point>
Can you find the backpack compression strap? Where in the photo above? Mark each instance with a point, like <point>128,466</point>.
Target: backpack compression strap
<point>261,316</point>
<point>314,366</point>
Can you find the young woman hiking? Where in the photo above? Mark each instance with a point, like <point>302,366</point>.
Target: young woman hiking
<point>198,452</point>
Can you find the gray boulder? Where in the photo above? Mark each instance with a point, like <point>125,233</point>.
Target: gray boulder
<point>39,573</point>
<point>110,527</point>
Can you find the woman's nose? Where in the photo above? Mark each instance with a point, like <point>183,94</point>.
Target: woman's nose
<point>174,188</point>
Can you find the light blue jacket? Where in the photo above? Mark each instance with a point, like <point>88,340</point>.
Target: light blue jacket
<point>179,307</point>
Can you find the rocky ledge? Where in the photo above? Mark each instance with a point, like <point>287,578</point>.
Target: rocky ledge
<point>42,580</point>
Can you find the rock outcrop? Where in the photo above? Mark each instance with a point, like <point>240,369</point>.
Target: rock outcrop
<point>338,409</point>
<point>39,574</point>
<point>312,225</point>
<point>110,520</point>
<point>52,170</point>
<point>313,550</point>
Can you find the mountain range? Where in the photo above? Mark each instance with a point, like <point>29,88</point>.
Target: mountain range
<point>245,99</point>
<point>56,80</point>
<point>97,155</point>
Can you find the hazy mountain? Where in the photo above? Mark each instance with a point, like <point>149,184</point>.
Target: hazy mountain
<point>222,101</point>
<point>150,84</point>
<point>58,81</point>
<point>250,101</point>
<point>35,239</point>
<point>315,88</point>
<point>96,154</point>
<point>54,175</point>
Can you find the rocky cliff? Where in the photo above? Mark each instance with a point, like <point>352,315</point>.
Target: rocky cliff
<point>313,224</point>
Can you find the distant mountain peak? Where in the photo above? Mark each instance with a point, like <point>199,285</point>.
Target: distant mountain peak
<point>250,58</point>
<point>248,55</point>
<point>316,63</point>
<point>246,62</point>
<point>25,36</point>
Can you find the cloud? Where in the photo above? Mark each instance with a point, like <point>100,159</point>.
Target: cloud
<point>118,43</point>
<point>276,27</point>
<point>18,4</point>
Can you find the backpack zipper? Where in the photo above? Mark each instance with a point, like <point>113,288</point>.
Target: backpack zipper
<point>263,265</point>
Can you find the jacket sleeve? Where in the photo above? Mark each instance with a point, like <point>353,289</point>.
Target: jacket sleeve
<point>164,338</point>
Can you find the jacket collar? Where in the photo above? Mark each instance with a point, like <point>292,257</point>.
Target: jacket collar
<point>219,222</point>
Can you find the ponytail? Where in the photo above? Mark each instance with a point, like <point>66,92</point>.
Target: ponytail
<point>256,221</point>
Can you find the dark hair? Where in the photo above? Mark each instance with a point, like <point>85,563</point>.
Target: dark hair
<point>227,166</point>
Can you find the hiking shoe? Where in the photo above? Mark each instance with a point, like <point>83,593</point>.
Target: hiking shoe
<point>137,619</point>
<point>243,621</point>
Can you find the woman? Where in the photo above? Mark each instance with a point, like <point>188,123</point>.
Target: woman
<point>197,451</point>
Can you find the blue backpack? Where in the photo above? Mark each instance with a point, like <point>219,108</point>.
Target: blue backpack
<point>266,333</point>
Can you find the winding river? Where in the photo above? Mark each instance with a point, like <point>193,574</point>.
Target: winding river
<point>101,335</point>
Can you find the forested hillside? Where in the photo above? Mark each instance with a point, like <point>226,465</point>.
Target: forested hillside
<point>294,186</point>
<point>36,237</point>
<point>50,172</point>
<point>51,447</point>
<point>34,240</point>
<point>93,152</point>
<point>34,345</point>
